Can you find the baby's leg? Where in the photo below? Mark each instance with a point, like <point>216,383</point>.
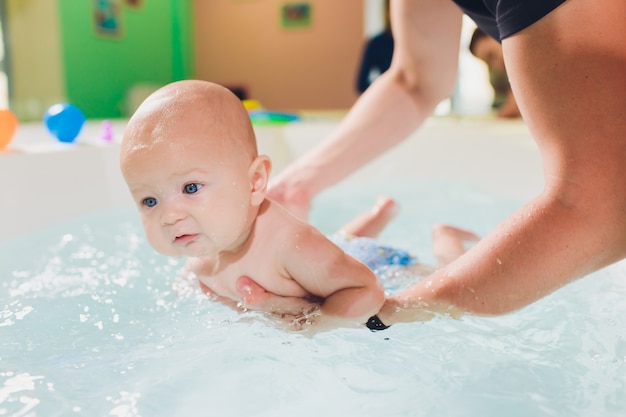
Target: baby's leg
<point>373,221</point>
<point>448,242</point>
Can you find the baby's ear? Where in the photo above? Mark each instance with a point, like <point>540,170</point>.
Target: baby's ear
<point>259,174</point>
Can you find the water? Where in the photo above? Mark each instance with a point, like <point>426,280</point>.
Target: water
<point>94,323</point>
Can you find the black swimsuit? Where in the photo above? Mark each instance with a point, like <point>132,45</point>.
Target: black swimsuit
<point>502,18</point>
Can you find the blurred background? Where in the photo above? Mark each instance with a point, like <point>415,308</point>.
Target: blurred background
<point>105,56</point>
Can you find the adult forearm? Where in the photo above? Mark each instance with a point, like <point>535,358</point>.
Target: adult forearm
<point>384,116</point>
<point>540,248</point>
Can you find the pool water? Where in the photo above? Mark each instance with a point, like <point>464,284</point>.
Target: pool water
<point>94,323</point>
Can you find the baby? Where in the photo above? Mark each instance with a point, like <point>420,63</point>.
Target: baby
<point>189,158</point>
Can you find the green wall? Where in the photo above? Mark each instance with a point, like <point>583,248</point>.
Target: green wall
<point>153,46</point>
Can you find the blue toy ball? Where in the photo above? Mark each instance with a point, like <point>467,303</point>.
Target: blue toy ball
<point>64,121</point>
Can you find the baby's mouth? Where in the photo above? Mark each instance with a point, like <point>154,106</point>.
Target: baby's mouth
<point>185,238</point>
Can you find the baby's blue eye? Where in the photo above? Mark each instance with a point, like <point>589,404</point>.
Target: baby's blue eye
<point>192,188</point>
<point>149,202</point>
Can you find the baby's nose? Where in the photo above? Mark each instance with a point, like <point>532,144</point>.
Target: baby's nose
<point>172,214</point>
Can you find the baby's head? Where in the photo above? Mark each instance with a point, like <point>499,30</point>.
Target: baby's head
<point>192,113</point>
<point>189,157</point>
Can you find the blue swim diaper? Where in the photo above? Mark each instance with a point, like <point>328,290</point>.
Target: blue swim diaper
<point>372,253</point>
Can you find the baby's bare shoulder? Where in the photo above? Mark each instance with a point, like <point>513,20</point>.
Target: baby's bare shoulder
<point>276,220</point>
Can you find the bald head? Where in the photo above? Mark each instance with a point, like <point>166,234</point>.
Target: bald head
<point>190,113</point>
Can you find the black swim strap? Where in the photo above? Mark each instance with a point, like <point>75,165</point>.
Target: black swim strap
<point>375,324</point>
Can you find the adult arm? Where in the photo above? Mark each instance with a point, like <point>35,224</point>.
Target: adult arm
<point>422,74</point>
<point>571,88</point>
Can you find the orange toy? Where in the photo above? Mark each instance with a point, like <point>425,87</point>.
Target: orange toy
<point>8,126</point>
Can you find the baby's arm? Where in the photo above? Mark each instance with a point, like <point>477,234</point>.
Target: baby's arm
<point>350,290</point>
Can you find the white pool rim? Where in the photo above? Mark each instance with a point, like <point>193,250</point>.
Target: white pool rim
<point>44,182</point>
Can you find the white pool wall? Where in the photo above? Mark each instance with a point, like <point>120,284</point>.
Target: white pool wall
<point>44,182</point>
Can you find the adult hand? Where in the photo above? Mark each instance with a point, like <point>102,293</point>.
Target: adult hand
<point>298,313</point>
<point>293,196</point>
<point>255,297</point>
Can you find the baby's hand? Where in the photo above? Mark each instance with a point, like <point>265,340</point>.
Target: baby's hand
<point>293,198</point>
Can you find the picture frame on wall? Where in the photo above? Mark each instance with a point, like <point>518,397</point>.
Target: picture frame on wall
<point>296,15</point>
<point>133,4</point>
<point>107,17</point>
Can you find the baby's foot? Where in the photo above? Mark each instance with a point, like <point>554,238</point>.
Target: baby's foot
<point>448,242</point>
<point>386,207</point>
<point>440,230</point>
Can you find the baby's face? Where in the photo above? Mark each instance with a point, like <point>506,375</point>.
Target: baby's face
<point>194,199</point>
